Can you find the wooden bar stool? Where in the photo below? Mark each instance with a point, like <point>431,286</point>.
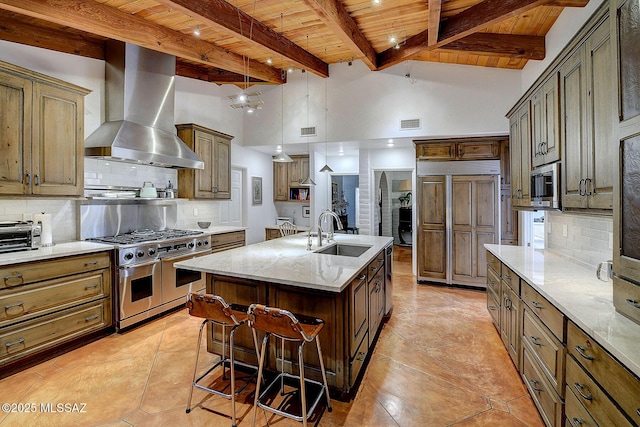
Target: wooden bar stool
<point>214,310</point>
<point>296,328</point>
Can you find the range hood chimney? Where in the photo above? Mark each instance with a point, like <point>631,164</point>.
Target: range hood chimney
<point>139,111</point>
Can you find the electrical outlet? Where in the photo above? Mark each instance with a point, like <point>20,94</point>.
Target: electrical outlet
<point>565,230</point>
<point>195,211</point>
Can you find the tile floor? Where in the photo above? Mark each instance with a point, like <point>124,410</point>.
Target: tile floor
<point>438,362</point>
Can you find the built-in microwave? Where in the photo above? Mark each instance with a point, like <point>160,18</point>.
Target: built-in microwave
<point>545,187</point>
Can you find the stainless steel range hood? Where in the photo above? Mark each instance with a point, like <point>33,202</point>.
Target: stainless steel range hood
<point>139,111</point>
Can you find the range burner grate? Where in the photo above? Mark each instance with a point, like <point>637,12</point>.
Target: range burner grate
<point>140,236</point>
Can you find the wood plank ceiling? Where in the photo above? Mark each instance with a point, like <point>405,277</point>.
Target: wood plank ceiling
<point>246,41</point>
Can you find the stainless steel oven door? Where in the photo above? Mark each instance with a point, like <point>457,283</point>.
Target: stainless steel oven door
<point>178,282</point>
<point>139,291</point>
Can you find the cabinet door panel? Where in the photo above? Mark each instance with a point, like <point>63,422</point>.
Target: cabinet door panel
<point>574,112</point>
<point>222,172</point>
<point>525,157</point>
<point>204,178</point>
<point>15,138</point>
<point>280,182</point>
<point>58,142</point>
<point>462,203</point>
<point>432,246</point>
<point>551,136</point>
<point>602,104</point>
<point>628,18</point>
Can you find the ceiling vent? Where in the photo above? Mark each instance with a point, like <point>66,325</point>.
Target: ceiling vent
<point>410,124</point>
<point>308,131</point>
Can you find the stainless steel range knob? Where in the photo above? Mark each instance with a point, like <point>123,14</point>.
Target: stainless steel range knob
<point>128,256</point>
<point>191,244</point>
<point>140,254</point>
<point>151,252</point>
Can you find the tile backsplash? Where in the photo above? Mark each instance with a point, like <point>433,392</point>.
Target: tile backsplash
<point>64,215</point>
<point>588,239</point>
<point>99,172</point>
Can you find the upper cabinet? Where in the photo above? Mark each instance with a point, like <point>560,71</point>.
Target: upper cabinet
<point>214,148</point>
<point>476,149</point>
<point>287,178</point>
<point>545,123</point>
<point>588,107</point>
<point>42,138</point>
<point>520,141</point>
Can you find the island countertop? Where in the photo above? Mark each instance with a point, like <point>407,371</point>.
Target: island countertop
<point>574,289</point>
<point>287,261</point>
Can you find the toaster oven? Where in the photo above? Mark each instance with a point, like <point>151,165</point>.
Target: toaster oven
<point>19,236</point>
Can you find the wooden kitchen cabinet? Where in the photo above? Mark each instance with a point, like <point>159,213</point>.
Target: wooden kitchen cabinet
<point>520,143</point>
<point>225,241</point>
<point>49,305</point>
<point>477,148</point>
<point>287,178</point>
<point>432,242</point>
<point>214,148</point>
<point>511,317</point>
<point>587,103</point>
<point>42,137</point>
<point>545,123</point>
<point>359,308</point>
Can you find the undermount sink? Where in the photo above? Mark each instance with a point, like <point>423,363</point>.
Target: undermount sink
<point>342,249</point>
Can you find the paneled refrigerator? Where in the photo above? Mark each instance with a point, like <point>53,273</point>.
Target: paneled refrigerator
<point>458,212</point>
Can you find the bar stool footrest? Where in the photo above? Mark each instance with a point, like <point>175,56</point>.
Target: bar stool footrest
<point>227,361</point>
<point>313,397</point>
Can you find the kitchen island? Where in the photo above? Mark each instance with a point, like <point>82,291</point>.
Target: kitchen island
<point>347,292</point>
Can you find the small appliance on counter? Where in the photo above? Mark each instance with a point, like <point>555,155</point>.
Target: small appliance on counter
<point>19,236</point>
<point>282,219</point>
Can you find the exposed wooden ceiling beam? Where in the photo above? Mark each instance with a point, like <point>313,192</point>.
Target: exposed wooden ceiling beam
<point>435,9</point>
<point>506,45</point>
<point>13,28</point>
<point>95,18</point>
<point>335,16</point>
<point>480,15</point>
<point>239,24</point>
<point>217,75</point>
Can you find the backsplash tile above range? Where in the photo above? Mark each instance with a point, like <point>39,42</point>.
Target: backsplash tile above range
<point>104,173</point>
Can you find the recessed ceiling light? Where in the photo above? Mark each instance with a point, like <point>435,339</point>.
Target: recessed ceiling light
<point>392,39</point>
<point>196,31</point>
<point>269,61</point>
<point>376,1</point>
<point>290,70</point>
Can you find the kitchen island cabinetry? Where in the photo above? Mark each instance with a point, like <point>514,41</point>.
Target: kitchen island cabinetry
<point>337,289</point>
<point>214,148</point>
<point>49,303</point>
<point>42,142</point>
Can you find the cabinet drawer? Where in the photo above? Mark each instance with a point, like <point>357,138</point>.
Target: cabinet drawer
<point>358,359</point>
<point>493,281</point>
<point>550,316</point>
<point>34,335</point>
<point>595,401</point>
<point>620,384</point>
<point>53,295</point>
<point>576,414</point>
<point>436,151</point>
<point>626,298</point>
<point>375,265</point>
<point>227,239</point>
<point>494,308</point>
<point>22,274</point>
<point>546,399</point>
<point>494,263</point>
<point>511,279</point>
<point>549,351</point>
<point>478,150</point>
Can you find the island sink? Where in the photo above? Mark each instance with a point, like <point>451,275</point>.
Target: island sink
<point>342,249</point>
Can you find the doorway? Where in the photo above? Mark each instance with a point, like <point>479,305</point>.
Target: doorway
<point>393,213</point>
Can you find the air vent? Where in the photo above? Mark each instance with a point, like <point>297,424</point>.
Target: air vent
<point>409,124</point>
<point>309,131</point>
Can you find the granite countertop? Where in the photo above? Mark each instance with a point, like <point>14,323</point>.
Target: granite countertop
<point>574,289</point>
<point>57,250</point>
<point>287,261</point>
<point>299,227</point>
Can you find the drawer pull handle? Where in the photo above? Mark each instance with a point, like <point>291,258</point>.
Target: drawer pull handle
<point>11,344</point>
<point>90,318</point>
<point>537,305</point>
<point>18,304</point>
<point>579,388</point>
<point>364,276</point>
<point>633,303</point>
<point>533,385</point>
<point>360,356</point>
<point>95,285</point>
<point>492,307</point>
<point>581,351</point>
<point>87,264</point>
<point>535,341</point>
<point>13,276</point>
<point>638,411</point>
<point>507,277</point>
<point>577,420</point>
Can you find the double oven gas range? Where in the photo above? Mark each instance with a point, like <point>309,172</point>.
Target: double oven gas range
<point>146,279</point>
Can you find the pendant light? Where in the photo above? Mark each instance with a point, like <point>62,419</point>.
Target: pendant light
<point>308,180</point>
<point>326,167</point>
<point>282,157</point>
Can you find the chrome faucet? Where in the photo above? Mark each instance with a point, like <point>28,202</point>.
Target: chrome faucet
<point>309,235</point>
<point>321,217</point>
